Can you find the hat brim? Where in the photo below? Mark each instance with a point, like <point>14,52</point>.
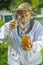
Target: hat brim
<point>20,9</point>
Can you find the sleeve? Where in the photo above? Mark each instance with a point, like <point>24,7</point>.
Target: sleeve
<point>35,53</point>
<point>38,43</point>
<point>4,32</point>
<point>36,56</point>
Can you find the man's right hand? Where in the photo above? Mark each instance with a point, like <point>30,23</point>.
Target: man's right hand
<point>13,24</point>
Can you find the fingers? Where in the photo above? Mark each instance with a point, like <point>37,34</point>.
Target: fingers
<point>13,24</point>
<point>28,48</point>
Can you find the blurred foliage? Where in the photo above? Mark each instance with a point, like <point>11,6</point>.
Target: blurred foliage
<point>40,3</point>
<point>42,56</point>
<point>15,3</point>
<point>35,3</point>
<point>11,4</point>
<point>42,52</point>
<point>1,23</point>
<point>4,53</point>
<point>4,4</point>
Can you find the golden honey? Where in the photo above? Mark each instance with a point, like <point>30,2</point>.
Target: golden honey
<point>26,41</point>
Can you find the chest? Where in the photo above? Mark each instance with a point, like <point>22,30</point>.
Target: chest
<point>18,39</point>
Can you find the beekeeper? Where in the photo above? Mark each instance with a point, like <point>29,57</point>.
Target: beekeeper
<point>15,29</point>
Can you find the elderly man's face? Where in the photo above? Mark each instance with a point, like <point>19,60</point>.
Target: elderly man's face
<point>23,17</point>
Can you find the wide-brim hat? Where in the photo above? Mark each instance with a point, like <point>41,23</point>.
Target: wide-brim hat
<point>26,7</point>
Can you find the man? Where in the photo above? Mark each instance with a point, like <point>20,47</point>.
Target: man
<point>15,29</point>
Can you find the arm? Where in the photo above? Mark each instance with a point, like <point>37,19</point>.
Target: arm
<point>35,53</point>
<point>36,56</point>
<point>38,42</point>
<point>7,29</point>
<point>4,32</point>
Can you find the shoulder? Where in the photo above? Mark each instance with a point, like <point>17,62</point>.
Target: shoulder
<point>36,27</point>
<point>36,21</point>
<point>37,24</point>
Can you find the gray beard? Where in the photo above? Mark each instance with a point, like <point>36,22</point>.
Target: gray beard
<point>23,26</point>
<point>28,27</point>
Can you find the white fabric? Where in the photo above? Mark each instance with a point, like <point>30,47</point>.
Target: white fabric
<point>15,52</point>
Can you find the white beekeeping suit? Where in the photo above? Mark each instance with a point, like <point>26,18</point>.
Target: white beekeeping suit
<point>16,55</point>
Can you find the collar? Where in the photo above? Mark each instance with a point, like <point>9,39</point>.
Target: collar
<point>28,28</point>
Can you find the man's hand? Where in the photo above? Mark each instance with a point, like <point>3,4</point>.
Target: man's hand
<point>28,48</point>
<point>13,24</point>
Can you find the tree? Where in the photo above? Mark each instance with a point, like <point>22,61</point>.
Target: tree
<point>15,3</point>
<point>4,4</point>
<point>11,4</point>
